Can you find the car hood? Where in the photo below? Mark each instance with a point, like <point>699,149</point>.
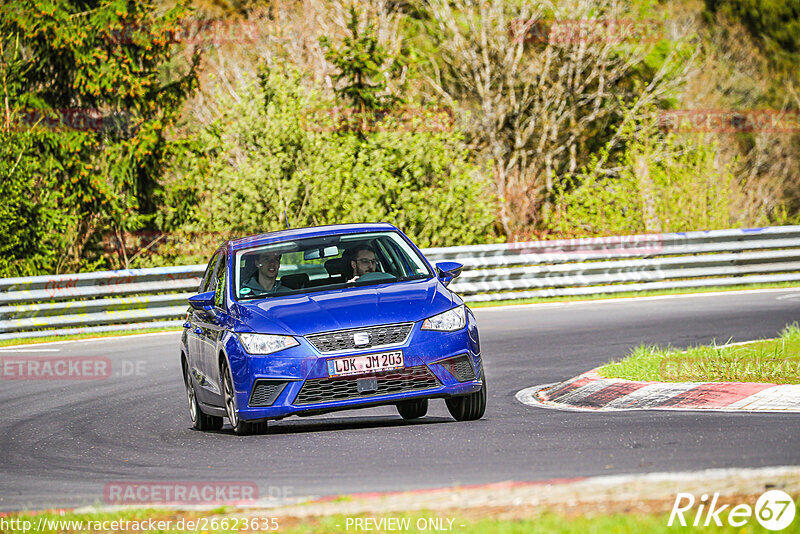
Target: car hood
<point>322,311</point>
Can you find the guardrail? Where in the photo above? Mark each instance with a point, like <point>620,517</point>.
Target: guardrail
<point>148,298</point>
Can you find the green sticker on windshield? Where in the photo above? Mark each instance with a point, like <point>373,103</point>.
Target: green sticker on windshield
<point>245,291</point>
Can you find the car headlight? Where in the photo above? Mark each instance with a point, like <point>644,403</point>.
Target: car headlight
<point>448,321</point>
<point>266,343</point>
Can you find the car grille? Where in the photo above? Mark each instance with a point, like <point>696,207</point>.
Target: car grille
<point>338,389</point>
<point>265,392</point>
<point>379,336</point>
<point>460,367</point>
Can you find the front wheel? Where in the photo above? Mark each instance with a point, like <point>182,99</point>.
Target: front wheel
<point>468,407</point>
<point>240,428</point>
<point>413,409</point>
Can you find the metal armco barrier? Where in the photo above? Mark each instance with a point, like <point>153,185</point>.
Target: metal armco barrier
<point>147,298</point>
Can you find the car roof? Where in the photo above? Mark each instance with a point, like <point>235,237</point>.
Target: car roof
<point>301,233</point>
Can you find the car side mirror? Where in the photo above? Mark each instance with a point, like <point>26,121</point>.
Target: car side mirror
<point>447,270</point>
<point>202,301</point>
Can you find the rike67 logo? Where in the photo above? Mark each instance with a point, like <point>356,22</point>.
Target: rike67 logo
<point>774,510</point>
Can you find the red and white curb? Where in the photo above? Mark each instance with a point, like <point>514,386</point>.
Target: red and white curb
<point>593,392</point>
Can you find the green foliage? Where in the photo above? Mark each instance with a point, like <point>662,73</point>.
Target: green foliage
<point>280,149</point>
<point>25,248</point>
<point>87,118</point>
<point>361,61</point>
<point>776,23</point>
<point>274,152</point>
<point>663,184</point>
<point>774,361</point>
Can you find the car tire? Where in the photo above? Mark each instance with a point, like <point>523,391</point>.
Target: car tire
<point>200,420</point>
<point>468,407</point>
<point>413,409</point>
<point>240,427</point>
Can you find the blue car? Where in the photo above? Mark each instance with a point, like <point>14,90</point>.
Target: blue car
<point>314,320</point>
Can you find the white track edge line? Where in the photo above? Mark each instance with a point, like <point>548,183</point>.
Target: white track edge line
<point>102,338</point>
<point>631,299</point>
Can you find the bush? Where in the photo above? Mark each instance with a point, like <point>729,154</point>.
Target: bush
<point>276,155</point>
<point>663,184</point>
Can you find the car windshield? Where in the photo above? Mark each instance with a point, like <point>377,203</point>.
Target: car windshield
<point>326,262</point>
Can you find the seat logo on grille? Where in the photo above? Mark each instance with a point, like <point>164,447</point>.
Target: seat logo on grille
<point>361,339</point>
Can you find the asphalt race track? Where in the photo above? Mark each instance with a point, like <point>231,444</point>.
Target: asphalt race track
<point>63,441</point>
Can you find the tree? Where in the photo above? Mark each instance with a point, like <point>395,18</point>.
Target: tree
<point>363,66</point>
<point>775,23</point>
<point>87,106</point>
<point>542,84</point>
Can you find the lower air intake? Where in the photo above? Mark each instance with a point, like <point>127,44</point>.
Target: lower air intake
<point>265,392</point>
<point>317,390</point>
<point>460,367</point>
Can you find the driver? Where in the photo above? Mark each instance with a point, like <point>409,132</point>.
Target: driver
<point>363,261</point>
<point>264,280</point>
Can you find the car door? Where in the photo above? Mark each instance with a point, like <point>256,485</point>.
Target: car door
<point>211,324</point>
<point>216,324</point>
<point>192,336</point>
<point>197,335</point>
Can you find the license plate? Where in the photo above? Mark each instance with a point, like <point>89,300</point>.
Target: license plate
<point>367,384</point>
<point>370,363</point>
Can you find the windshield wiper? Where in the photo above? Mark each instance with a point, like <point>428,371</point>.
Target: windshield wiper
<point>415,277</point>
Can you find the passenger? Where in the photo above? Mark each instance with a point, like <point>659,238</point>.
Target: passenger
<point>264,280</point>
<point>363,261</point>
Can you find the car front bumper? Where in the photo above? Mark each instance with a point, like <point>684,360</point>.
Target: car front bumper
<point>292,374</point>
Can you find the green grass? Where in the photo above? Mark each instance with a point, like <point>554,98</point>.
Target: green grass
<point>534,522</point>
<point>544,523</point>
<point>629,294</point>
<point>773,361</point>
<point>112,333</point>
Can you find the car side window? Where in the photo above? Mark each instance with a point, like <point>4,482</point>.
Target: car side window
<point>209,273</point>
<point>219,290</point>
